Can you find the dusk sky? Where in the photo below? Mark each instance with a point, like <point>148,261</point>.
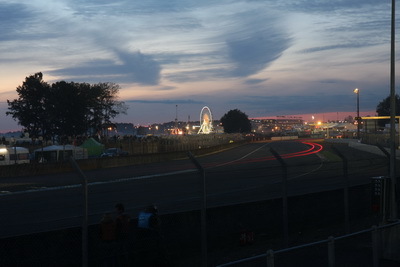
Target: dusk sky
<point>265,58</point>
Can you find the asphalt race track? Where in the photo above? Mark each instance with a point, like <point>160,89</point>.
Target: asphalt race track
<point>243,174</point>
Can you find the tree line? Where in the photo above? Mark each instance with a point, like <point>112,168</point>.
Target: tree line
<point>64,108</point>
<point>72,109</point>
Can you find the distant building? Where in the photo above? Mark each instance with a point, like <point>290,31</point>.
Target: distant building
<point>277,124</point>
<point>125,128</point>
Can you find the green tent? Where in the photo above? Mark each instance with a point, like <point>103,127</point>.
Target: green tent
<point>93,147</point>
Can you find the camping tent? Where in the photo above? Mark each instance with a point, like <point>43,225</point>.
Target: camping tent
<point>93,147</point>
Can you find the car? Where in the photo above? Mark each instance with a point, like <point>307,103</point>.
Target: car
<point>113,152</point>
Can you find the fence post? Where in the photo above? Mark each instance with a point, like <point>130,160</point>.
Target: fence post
<point>345,189</point>
<point>270,258</point>
<point>85,212</point>
<point>284,196</point>
<point>387,154</point>
<point>375,245</point>
<point>331,251</point>
<point>203,211</point>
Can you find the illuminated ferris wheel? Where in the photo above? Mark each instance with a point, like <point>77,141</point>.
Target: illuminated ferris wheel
<point>206,126</point>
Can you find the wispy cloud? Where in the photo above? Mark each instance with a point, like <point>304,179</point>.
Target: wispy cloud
<point>333,47</point>
<point>10,20</point>
<point>165,101</point>
<point>333,81</point>
<point>135,68</point>
<point>254,81</point>
<point>255,53</point>
<point>326,5</point>
<point>167,88</point>
<point>257,42</point>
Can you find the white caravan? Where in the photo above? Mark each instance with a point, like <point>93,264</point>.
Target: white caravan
<point>13,155</point>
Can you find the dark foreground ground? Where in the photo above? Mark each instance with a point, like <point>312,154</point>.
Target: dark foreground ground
<point>312,218</point>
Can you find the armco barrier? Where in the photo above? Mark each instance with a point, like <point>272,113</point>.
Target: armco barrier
<point>279,138</point>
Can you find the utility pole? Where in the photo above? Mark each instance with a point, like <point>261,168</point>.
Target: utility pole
<point>176,119</point>
<point>393,203</point>
<point>358,119</point>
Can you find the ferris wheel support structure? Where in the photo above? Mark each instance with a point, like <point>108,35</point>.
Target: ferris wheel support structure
<point>206,126</point>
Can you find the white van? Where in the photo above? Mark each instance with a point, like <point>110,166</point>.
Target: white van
<point>13,155</point>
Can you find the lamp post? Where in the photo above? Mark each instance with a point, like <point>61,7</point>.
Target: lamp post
<point>357,91</point>
<point>393,178</point>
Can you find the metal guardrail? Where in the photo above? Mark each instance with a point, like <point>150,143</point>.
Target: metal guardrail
<point>269,255</point>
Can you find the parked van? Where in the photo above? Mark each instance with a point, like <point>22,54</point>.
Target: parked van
<point>13,155</point>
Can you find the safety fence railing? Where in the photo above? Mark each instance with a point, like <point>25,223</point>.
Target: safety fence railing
<point>375,239</point>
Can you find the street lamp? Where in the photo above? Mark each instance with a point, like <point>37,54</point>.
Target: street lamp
<point>358,119</point>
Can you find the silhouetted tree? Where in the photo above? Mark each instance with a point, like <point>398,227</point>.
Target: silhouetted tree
<point>104,104</point>
<point>383,108</point>
<point>32,109</point>
<point>235,121</point>
<point>64,108</point>
<point>349,119</point>
<point>69,108</point>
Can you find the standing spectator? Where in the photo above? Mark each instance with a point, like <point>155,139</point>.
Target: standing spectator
<point>149,219</point>
<point>152,252</point>
<point>123,231</point>
<point>108,237</point>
